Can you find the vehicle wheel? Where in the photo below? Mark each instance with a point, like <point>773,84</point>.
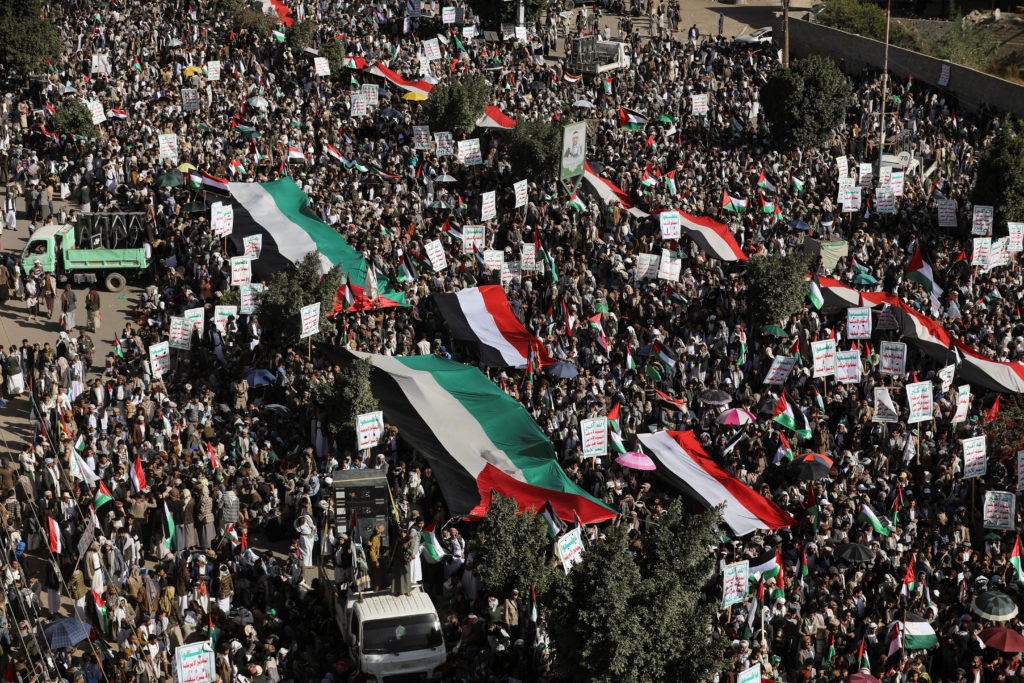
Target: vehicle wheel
<point>115,282</point>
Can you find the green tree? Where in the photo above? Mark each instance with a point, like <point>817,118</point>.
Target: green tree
<point>456,106</point>
<point>27,40</point>
<point>513,550</point>
<point>1001,174</point>
<point>300,35</point>
<point>776,287</point>
<point>334,52</point>
<point>354,397</point>
<point>534,148</point>
<point>74,118</point>
<point>291,289</point>
<point>494,12</point>
<point>805,102</point>
<point>965,43</point>
<point>1006,431</point>
<point>633,615</point>
<point>867,19</point>
<point>254,21</point>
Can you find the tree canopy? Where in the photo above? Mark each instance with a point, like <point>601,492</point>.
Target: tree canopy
<point>776,286</point>
<point>513,551</point>
<point>1001,174</point>
<point>74,118</point>
<point>342,401</point>
<point>805,102</point>
<point>290,290</point>
<point>28,41</point>
<point>300,35</point>
<point>456,105</point>
<point>534,148</point>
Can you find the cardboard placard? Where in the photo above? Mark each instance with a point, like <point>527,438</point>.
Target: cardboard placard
<point>947,212</point>
<point>488,208</point>
<point>594,435</point>
<point>241,270</point>
<point>893,358</point>
<point>469,152</point>
<point>919,398</point>
<point>981,220</point>
<point>824,355</point>
<point>975,457</point>
<point>369,429</point>
<point>858,322</point>
<point>647,265</point>
<point>521,188</point>
<point>309,317</point>
<point>180,335</point>
<point>735,579</point>
<point>779,372</point>
<point>669,266</point>
<point>435,252</point>
<point>999,510</point>
<point>848,366</point>
<point>670,225</point>
<point>160,358</point>
<point>885,411</point>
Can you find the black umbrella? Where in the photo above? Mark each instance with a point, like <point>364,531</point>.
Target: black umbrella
<point>855,552</point>
<point>714,397</point>
<point>563,369</point>
<point>810,466</point>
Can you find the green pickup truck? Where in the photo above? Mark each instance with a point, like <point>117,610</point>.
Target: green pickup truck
<point>53,247</point>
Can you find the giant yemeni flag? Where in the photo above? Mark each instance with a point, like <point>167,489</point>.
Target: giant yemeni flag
<point>478,439</point>
<point>279,211</point>
<point>495,118</point>
<point>483,317</point>
<point>713,237</point>
<point>683,464</point>
<point>608,192</point>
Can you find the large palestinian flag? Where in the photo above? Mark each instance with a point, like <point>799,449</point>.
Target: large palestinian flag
<point>279,211</point>
<point>482,316</point>
<point>476,438</point>
<point>685,465</point>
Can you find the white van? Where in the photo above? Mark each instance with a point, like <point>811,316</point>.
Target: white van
<point>393,637</point>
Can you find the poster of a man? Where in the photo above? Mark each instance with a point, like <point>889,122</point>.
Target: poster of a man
<point>574,149</point>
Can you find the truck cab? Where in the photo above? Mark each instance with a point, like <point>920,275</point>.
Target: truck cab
<point>392,637</point>
<point>43,247</point>
<point>591,56</point>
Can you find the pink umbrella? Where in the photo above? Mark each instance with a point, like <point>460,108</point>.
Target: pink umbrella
<point>736,417</point>
<point>636,461</point>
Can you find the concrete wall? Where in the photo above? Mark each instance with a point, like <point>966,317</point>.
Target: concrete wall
<point>971,88</point>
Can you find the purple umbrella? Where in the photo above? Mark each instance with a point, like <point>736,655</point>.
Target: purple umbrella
<point>636,461</point>
<point>861,678</point>
<point>736,417</point>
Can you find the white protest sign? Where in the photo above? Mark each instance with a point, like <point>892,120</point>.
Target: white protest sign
<point>520,34</point>
<point>843,166</point>
<point>1000,255</point>
<point>309,318</point>
<point>848,366</point>
<point>241,270</point>
<point>885,411</point>
<point>669,266</point>
<point>190,99</point>
<point>421,137</point>
<point>867,173</point>
<point>851,199</point>
<point>700,104</point>
<point>896,182</point>
<point>887,319</point>
<point>431,49</point>
<point>975,458</point>
<point>885,176</point>
<point>569,547</point>
<point>493,258</point>
<point>981,220</point>
<point>321,67</point>
<point>980,253</point>
<point>919,398</point>
<point>521,188</point>
<point>944,76</point>
<point>893,358</point>
<point>168,146</point>
<point>1016,242</point>
<point>252,245</point>
<point>96,110</point>
<point>824,355</point>
<point>221,315</point>
<point>472,239</point>
<point>885,200</point>
<point>858,322</point>
<point>222,219</point>
<point>488,209</point>
<point>963,403</point>
<point>357,104</point>
<point>247,293</point>
<point>213,70</point>
<point>196,317</point>
<point>947,212</point>
<point>750,675</point>
<point>734,583</point>
<point>160,358</point>
<point>445,144</point>
<point>509,271</point>
<point>195,663</point>
<point>435,252</point>
<point>180,335</point>
<point>369,429</point>
<point>780,369</point>
<point>594,434</point>
<point>1000,512</point>
<point>946,377</point>
<point>647,266</point>
<point>469,152</point>
<point>529,256</point>
<point>670,225</point>
<point>447,15</point>
<point>370,92</point>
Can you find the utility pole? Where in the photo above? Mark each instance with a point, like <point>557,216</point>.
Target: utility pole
<point>885,83</point>
<point>785,33</point>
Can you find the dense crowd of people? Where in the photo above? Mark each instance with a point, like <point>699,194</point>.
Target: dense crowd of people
<point>241,464</point>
